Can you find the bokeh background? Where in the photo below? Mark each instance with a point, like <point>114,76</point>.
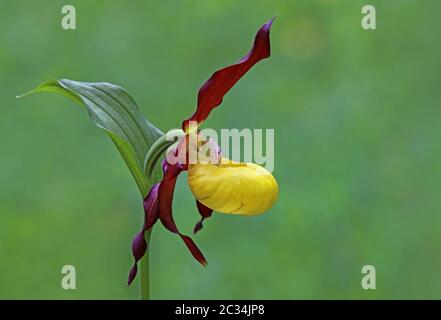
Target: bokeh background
<point>357,127</point>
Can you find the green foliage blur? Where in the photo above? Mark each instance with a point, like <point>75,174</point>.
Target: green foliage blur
<point>357,138</point>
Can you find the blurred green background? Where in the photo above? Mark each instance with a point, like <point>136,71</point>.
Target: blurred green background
<point>357,126</point>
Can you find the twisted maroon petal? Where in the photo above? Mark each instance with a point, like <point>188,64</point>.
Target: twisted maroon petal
<point>165,195</point>
<point>205,212</point>
<point>212,92</point>
<point>151,215</point>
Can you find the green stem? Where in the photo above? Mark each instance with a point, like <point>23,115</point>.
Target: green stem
<point>145,269</point>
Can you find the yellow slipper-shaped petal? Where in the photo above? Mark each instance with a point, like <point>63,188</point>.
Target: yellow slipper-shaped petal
<point>232,187</point>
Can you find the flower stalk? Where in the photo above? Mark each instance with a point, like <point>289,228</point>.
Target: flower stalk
<point>145,269</point>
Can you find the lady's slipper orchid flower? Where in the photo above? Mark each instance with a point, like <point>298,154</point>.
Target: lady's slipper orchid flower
<point>231,187</point>
<point>224,186</point>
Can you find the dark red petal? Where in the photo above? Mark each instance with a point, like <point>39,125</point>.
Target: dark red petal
<point>151,215</point>
<point>151,207</point>
<point>166,191</point>
<point>212,92</point>
<point>205,212</point>
<point>196,253</point>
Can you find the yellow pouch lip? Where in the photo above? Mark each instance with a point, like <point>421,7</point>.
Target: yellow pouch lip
<point>232,187</point>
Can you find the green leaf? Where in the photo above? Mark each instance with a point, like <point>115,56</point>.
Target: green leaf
<point>112,109</point>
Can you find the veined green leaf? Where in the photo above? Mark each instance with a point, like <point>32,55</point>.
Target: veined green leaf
<point>112,109</point>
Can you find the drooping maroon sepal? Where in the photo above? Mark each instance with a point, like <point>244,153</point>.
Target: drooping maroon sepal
<point>205,213</point>
<point>165,196</point>
<point>212,92</point>
<point>151,215</point>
